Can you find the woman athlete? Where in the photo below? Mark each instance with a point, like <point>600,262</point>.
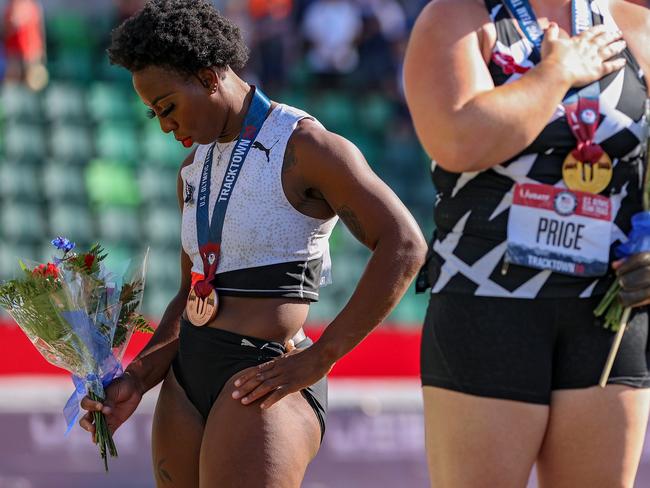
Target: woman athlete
<point>534,113</point>
<point>259,197</point>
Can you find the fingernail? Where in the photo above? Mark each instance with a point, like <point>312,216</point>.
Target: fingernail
<point>106,410</point>
<point>235,394</point>
<point>244,400</point>
<point>263,405</point>
<point>237,382</point>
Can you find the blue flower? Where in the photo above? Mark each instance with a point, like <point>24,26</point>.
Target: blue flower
<point>63,244</point>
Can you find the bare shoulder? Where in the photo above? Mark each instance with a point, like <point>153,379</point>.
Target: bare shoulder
<point>634,21</point>
<point>450,15</point>
<point>314,148</point>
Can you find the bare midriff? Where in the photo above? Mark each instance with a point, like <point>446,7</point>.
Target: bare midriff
<point>274,319</point>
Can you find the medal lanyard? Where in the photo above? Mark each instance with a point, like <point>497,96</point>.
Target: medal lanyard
<point>209,234</point>
<point>582,107</point>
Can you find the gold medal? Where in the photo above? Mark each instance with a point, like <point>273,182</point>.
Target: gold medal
<point>587,177</point>
<point>200,311</point>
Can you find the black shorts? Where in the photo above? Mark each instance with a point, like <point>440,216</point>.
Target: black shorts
<point>519,349</point>
<point>207,358</point>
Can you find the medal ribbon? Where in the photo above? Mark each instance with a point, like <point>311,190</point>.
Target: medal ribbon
<point>209,233</point>
<point>582,107</point>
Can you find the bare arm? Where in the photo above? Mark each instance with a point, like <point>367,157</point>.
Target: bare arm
<point>462,120</point>
<point>332,167</point>
<point>336,169</point>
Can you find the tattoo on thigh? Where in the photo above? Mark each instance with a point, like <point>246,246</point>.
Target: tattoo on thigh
<point>162,474</point>
<point>352,222</point>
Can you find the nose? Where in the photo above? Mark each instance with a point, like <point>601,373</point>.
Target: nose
<point>167,125</point>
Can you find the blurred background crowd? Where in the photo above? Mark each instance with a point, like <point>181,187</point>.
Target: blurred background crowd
<point>79,158</point>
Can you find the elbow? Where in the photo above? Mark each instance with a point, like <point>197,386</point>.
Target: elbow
<point>457,156</point>
<point>413,252</point>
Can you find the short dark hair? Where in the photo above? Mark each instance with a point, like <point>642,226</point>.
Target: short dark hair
<point>181,35</point>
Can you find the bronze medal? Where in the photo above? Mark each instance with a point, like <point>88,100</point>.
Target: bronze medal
<point>587,177</point>
<point>201,311</point>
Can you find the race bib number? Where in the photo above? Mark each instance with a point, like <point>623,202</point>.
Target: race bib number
<point>561,230</point>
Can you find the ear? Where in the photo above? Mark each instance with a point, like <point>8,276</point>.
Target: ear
<point>209,79</point>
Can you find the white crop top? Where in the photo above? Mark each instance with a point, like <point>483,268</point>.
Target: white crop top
<point>268,248</point>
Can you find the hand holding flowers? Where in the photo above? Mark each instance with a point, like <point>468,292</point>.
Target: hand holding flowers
<point>80,317</point>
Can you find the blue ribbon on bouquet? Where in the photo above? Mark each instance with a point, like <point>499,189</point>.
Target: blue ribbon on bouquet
<point>99,356</point>
<point>639,237</point>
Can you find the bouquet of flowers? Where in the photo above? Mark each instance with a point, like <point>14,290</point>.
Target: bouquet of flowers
<point>80,316</point>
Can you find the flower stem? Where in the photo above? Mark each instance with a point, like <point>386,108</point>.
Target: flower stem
<point>103,436</point>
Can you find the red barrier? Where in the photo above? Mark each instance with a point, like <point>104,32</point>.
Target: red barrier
<point>387,352</point>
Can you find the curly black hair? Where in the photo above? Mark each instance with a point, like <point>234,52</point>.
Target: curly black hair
<point>181,35</point>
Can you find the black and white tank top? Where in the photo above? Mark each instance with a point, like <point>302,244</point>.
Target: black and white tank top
<point>471,209</point>
<point>268,248</point>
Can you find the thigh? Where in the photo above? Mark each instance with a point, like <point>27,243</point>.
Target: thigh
<point>247,447</point>
<point>176,437</point>
<point>475,442</point>
<point>594,438</point>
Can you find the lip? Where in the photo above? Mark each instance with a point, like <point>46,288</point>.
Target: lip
<point>185,141</point>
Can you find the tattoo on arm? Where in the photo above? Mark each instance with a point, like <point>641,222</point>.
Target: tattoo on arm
<point>352,222</point>
<point>290,158</point>
<point>162,474</point>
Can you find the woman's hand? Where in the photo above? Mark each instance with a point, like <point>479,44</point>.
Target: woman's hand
<point>281,376</point>
<point>634,277</point>
<point>123,396</point>
<point>586,57</point>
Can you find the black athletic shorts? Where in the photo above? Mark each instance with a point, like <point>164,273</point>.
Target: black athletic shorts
<point>207,358</point>
<point>519,349</point>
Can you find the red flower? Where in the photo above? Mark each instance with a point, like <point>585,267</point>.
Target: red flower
<point>89,259</point>
<point>48,270</point>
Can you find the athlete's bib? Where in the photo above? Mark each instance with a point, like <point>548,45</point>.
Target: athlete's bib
<point>561,230</point>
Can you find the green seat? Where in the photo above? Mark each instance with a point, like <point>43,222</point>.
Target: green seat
<point>64,102</point>
<point>71,144</point>
<point>118,224</point>
<point>71,65</point>
<point>72,221</point>
<point>111,184</point>
<point>20,182</point>
<point>68,29</point>
<point>162,226</point>
<point>162,149</point>
<point>158,185</point>
<point>63,183</point>
<point>335,111</point>
<point>19,104</point>
<point>24,143</point>
<point>375,113</point>
<point>156,298</point>
<point>411,309</point>
<point>107,101</point>
<point>117,141</point>
<point>22,222</point>
<point>163,269</point>
<point>119,256</point>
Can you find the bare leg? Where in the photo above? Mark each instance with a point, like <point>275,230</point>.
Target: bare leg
<point>176,438</point>
<point>247,447</point>
<point>476,442</point>
<point>594,437</point>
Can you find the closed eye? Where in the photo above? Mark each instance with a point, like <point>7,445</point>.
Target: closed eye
<point>151,114</point>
